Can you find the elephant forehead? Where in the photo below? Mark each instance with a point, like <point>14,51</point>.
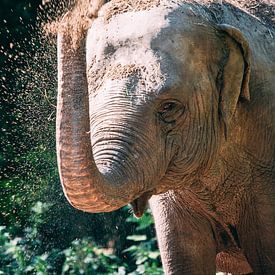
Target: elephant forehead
<point>149,45</point>
<point>133,34</point>
<point>131,25</point>
<point>131,28</point>
<point>135,83</point>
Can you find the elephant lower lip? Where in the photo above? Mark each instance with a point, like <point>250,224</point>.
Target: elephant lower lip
<point>139,205</point>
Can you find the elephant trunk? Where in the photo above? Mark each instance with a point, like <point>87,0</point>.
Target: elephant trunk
<point>84,186</point>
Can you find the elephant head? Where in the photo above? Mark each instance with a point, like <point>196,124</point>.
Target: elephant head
<point>144,103</point>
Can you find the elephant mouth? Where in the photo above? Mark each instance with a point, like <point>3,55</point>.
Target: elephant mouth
<point>139,205</point>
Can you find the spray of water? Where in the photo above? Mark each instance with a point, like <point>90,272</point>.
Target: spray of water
<point>28,91</point>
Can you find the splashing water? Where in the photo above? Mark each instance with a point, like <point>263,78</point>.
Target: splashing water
<point>28,91</point>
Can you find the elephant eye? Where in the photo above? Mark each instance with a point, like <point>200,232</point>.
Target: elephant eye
<point>169,111</point>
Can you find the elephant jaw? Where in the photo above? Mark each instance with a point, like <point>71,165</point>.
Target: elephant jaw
<point>139,205</point>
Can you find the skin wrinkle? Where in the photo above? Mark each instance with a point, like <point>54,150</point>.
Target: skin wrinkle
<point>122,139</point>
<point>142,155</point>
<point>194,148</point>
<point>201,128</point>
<point>129,165</point>
<point>251,218</point>
<point>206,212</point>
<point>230,183</point>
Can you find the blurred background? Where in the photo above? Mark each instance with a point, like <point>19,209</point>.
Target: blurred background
<point>40,233</point>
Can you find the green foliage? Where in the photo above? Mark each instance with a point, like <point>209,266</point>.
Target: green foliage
<point>20,255</point>
<point>18,193</point>
<point>82,257</point>
<point>144,250</point>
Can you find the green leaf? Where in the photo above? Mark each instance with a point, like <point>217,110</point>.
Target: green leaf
<point>145,222</point>
<point>130,249</point>
<point>141,269</point>
<point>65,267</point>
<point>153,254</point>
<point>137,238</point>
<point>122,270</point>
<point>141,260</point>
<point>2,228</point>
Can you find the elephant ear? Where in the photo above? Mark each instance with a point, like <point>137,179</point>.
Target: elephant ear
<point>235,73</point>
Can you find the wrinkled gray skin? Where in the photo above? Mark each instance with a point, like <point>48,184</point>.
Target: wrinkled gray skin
<point>181,108</point>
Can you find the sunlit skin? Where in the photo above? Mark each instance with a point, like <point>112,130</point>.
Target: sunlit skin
<point>167,104</point>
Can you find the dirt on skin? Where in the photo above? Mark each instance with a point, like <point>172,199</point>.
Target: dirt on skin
<point>263,9</point>
<point>82,12</point>
<point>120,6</point>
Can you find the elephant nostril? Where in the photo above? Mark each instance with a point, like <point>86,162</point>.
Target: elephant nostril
<point>104,163</point>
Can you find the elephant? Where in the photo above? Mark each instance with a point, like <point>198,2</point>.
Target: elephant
<point>172,103</point>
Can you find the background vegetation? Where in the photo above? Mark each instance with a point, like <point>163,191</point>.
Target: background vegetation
<point>40,233</point>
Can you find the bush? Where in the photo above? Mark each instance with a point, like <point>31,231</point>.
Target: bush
<point>20,255</point>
